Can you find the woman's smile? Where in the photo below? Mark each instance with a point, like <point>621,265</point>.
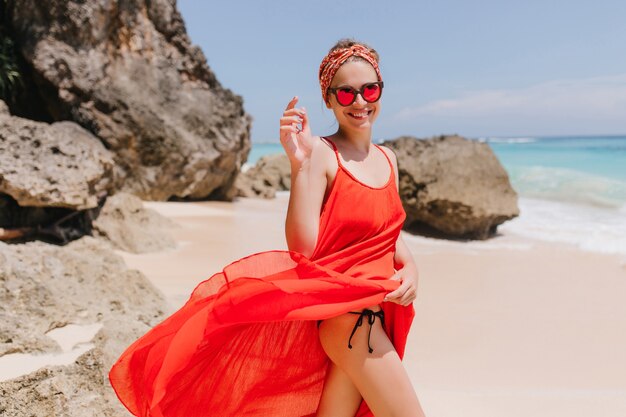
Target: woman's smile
<point>360,115</point>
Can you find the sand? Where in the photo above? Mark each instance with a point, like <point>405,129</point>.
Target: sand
<point>504,328</point>
<point>73,340</point>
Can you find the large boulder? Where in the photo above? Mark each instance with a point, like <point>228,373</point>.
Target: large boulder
<point>52,165</point>
<point>452,186</point>
<point>271,173</point>
<point>127,72</point>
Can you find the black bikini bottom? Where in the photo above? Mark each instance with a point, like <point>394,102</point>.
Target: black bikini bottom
<point>371,317</point>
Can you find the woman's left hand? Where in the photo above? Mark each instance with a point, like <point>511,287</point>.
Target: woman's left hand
<point>406,293</point>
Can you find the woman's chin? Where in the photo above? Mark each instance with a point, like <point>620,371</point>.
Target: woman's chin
<point>361,124</point>
<point>366,124</point>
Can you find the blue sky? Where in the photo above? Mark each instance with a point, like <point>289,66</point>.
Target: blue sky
<point>476,68</point>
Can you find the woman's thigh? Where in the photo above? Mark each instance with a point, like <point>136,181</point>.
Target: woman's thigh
<point>340,398</point>
<point>379,376</point>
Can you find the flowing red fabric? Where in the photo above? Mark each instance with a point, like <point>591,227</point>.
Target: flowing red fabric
<point>246,342</point>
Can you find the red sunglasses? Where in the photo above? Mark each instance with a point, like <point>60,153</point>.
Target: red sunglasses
<point>370,92</point>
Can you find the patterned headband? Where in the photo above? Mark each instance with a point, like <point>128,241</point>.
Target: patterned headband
<point>331,63</point>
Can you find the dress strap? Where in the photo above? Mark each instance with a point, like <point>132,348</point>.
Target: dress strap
<point>334,148</point>
<point>386,156</point>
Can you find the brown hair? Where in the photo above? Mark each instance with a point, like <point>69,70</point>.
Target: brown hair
<point>348,42</point>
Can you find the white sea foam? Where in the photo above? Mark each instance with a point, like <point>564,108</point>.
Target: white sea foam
<point>568,185</point>
<point>597,229</point>
<point>508,140</point>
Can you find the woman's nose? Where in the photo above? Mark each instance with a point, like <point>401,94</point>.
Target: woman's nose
<point>360,100</point>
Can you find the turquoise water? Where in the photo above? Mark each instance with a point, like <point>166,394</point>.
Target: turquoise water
<point>588,170</point>
<point>260,149</point>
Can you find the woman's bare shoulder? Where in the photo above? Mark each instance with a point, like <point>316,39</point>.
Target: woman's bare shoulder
<point>322,154</point>
<point>394,161</point>
<point>390,153</point>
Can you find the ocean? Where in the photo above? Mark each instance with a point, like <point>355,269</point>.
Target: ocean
<point>571,189</point>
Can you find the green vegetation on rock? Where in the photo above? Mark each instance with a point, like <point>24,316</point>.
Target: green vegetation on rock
<point>10,76</point>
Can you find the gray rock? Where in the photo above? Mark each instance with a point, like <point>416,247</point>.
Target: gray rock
<point>129,226</point>
<point>128,73</point>
<point>452,185</point>
<point>43,287</point>
<point>271,173</point>
<point>75,390</point>
<point>52,165</point>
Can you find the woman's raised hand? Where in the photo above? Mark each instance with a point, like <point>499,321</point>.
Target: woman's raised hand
<point>298,143</point>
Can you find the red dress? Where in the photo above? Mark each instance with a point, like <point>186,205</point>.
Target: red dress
<point>246,342</point>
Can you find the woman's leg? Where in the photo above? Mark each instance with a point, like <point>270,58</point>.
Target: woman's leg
<point>379,376</point>
<point>340,398</point>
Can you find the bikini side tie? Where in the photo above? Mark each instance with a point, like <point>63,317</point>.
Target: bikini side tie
<point>371,317</point>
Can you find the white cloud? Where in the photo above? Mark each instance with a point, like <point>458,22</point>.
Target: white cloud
<point>585,106</point>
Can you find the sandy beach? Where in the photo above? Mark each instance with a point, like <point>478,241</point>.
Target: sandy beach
<point>506,327</point>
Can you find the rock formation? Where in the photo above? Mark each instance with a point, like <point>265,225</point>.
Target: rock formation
<point>271,173</point>
<point>127,72</point>
<point>120,101</point>
<point>45,287</point>
<point>452,186</point>
<point>129,226</point>
<point>57,165</point>
<point>53,179</point>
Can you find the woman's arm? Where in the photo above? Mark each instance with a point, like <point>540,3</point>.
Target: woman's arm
<point>308,179</point>
<point>403,256</point>
<point>308,185</point>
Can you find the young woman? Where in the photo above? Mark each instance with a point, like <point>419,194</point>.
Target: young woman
<point>351,86</point>
<point>316,330</point>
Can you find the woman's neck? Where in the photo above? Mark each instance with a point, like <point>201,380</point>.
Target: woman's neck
<point>359,140</point>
